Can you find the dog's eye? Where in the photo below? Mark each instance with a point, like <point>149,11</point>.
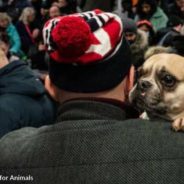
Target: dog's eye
<point>168,81</point>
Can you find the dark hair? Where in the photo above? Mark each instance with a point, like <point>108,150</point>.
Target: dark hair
<point>152,3</point>
<point>71,7</point>
<point>174,21</point>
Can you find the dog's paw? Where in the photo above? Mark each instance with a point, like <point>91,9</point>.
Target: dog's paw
<point>178,125</point>
<point>144,115</point>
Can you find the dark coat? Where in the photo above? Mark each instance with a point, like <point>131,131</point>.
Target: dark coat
<point>26,39</point>
<point>23,100</point>
<point>93,143</point>
<point>167,39</point>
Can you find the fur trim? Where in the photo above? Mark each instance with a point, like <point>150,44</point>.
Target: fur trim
<point>156,50</point>
<point>182,30</point>
<point>141,41</point>
<point>139,47</point>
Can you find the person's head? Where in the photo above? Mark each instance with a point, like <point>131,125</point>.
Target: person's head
<point>28,15</point>
<point>54,11</point>
<point>144,25</point>
<point>62,3</point>
<point>146,8</point>
<point>147,27</point>
<point>180,4</point>
<point>88,57</point>
<point>130,29</point>
<point>44,9</point>
<point>5,20</point>
<point>175,23</point>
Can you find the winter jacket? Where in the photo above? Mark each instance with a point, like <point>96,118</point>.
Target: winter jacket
<point>94,143</point>
<point>139,47</point>
<point>159,19</point>
<point>26,38</point>
<point>15,43</point>
<point>23,100</point>
<point>167,39</point>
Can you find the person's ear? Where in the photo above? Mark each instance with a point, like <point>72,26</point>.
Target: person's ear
<point>3,59</point>
<point>130,79</point>
<point>51,89</point>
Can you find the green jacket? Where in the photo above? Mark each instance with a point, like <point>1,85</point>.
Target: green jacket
<point>159,19</point>
<point>93,143</point>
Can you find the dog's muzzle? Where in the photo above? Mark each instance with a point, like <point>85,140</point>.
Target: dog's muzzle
<point>143,85</point>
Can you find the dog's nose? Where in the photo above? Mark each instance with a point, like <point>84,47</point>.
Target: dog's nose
<point>144,85</point>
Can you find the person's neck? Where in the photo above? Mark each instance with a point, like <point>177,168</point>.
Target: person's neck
<point>117,93</point>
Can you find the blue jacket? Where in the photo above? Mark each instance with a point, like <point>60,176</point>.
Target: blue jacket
<point>23,100</point>
<point>15,43</point>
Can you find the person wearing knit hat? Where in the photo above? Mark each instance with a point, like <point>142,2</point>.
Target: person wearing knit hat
<point>147,27</point>
<point>90,75</point>
<point>93,58</point>
<point>137,39</point>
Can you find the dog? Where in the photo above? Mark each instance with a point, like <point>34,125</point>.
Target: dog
<point>159,90</point>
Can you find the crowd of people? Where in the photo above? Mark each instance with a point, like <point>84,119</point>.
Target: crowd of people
<point>66,70</point>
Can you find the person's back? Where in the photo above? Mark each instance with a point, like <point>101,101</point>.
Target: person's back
<point>24,101</point>
<point>94,141</point>
<point>94,144</point>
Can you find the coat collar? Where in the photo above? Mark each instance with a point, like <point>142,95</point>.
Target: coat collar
<point>95,109</point>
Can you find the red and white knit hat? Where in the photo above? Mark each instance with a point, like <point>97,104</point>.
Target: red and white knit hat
<point>79,43</point>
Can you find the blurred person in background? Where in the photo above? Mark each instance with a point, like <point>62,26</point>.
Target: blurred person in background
<point>27,31</point>
<point>175,25</point>
<point>24,101</point>
<point>177,8</point>
<point>147,27</point>
<point>54,11</point>
<point>11,31</point>
<point>44,15</point>
<point>149,10</point>
<point>67,6</point>
<point>137,39</point>
<point>5,47</point>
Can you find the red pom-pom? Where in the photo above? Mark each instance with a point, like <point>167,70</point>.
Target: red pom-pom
<point>71,36</point>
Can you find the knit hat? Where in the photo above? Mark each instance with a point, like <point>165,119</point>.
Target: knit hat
<point>129,25</point>
<point>144,22</point>
<point>87,51</point>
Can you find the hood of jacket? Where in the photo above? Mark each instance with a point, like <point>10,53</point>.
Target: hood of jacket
<point>141,42</point>
<point>18,78</point>
<point>139,47</point>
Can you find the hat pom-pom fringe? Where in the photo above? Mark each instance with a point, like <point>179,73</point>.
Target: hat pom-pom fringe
<point>71,36</point>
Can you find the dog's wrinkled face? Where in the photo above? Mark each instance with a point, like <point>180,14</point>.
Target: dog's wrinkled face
<point>160,87</point>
